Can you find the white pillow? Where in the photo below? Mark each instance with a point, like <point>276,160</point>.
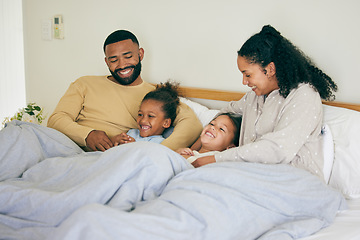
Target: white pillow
<point>345,129</point>
<point>328,150</point>
<point>204,114</point>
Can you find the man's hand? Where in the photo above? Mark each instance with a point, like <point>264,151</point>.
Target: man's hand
<point>121,139</point>
<point>98,140</point>
<point>203,161</point>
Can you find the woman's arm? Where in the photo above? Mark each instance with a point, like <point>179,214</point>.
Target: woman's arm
<point>237,107</point>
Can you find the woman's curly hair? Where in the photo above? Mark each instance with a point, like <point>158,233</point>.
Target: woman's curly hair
<point>167,93</point>
<point>292,65</point>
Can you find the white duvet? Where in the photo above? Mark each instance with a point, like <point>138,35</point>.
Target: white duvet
<point>51,189</point>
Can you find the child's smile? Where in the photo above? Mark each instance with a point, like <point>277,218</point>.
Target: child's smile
<point>151,118</point>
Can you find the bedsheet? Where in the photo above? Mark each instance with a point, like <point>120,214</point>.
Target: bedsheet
<point>146,191</point>
<point>345,225</point>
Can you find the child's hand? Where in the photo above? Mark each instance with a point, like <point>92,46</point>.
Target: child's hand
<point>121,139</point>
<point>185,151</point>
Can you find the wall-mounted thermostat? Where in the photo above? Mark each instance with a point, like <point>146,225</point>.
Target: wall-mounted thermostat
<point>58,27</point>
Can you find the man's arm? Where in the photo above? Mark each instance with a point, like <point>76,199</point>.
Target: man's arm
<point>65,115</point>
<point>187,129</point>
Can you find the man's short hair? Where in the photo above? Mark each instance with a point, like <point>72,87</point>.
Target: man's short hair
<point>120,35</point>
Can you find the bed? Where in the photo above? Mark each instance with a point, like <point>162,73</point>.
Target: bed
<point>51,189</point>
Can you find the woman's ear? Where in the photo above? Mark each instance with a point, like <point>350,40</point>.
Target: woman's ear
<point>167,123</point>
<point>270,70</point>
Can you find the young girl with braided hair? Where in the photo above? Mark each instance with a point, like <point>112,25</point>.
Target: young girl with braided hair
<point>157,112</point>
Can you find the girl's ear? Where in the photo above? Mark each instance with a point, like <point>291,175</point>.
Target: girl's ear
<point>167,123</point>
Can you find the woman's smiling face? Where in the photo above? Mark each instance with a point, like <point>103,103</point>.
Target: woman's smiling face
<point>260,81</point>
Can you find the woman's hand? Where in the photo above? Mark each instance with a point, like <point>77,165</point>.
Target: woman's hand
<point>203,161</point>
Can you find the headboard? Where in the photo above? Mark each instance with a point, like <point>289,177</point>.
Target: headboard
<point>223,95</point>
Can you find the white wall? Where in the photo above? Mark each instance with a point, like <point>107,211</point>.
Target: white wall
<point>191,41</point>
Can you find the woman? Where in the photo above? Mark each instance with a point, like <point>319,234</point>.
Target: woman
<point>282,115</point>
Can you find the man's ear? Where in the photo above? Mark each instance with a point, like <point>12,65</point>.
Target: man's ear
<point>141,53</point>
<point>230,146</point>
<point>106,61</point>
<point>167,123</point>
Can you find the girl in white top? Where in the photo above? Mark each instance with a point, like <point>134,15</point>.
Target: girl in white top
<point>220,134</point>
<point>282,115</point>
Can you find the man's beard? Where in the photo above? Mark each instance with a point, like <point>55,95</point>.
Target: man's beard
<point>127,80</point>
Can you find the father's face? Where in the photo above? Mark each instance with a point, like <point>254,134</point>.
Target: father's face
<point>124,61</point>
<point>127,75</point>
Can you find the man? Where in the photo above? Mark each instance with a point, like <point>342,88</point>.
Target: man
<point>96,108</point>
